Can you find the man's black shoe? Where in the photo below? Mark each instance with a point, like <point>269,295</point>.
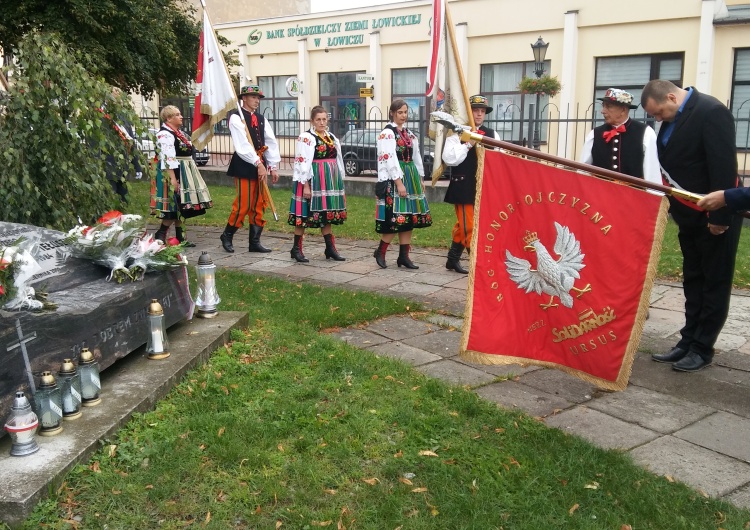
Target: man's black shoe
<point>672,356</point>
<point>691,363</point>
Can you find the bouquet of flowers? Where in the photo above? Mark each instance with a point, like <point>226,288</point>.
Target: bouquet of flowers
<point>17,266</point>
<point>108,243</point>
<point>149,254</point>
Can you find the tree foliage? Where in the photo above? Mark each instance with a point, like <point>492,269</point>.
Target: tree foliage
<point>56,128</point>
<point>136,45</point>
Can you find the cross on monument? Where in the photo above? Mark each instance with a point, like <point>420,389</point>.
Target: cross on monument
<point>22,344</point>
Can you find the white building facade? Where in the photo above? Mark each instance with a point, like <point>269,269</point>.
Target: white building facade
<point>326,58</point>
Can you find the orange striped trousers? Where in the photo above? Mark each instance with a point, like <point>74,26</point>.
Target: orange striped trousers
<point>248,202</point>
<point>464,224</point>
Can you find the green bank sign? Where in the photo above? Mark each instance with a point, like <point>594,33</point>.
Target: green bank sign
<point>330,35</point>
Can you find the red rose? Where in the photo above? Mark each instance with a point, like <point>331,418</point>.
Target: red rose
<point>109,216</point>
<point>2,290</point>
<point>173,242</point>
<point>400,219</point>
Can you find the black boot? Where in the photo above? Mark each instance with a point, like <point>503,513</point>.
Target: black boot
<point>255,246</point>
<point>297,250</point>
<point>226,238</point>
<point>161,234</point>
<point>454,258</point>
<point>181,237</point>
<point>379,254</point>
<point>331,251</point>
<point>403,257</point>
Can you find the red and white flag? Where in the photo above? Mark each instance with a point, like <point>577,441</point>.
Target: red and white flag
<point>561,273</point>
<point>444,83</point>
<point>215,92</point>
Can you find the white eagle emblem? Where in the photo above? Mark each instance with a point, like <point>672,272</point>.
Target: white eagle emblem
<point>553,277</point>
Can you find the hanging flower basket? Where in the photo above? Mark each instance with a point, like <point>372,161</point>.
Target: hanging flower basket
<point>544,86</point>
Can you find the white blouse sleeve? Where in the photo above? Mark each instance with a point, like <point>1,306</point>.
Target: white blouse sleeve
<point>454,152</point>
<point>388,166</point>
<point>339,157</point>
<point>586,156</point>
<point>416,155</point>
<point>651,168</point>
<point>303,157</point>
<point>273,156</point>
<point>167,153</point>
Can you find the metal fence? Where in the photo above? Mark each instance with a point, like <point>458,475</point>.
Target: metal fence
<point>561,132</point>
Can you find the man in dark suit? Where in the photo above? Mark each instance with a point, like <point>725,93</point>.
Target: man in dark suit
<point>696,144</point>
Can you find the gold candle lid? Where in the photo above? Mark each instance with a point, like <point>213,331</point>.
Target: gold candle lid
<point>155,308</point>
<point>67,367</point>
<point>47,379</point>
<point>86,356</point>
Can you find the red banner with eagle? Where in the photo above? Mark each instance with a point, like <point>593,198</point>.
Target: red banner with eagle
<point>562,269</point>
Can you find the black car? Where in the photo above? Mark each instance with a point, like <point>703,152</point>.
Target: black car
<point>360,153</point>
<point>201,157</point>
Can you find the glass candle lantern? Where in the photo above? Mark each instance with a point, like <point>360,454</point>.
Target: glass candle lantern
<point>70,387</point>
<point>207,298</point>
<point>157,345</point>
<point>48,400</point>
<point>88,370</point>
<point>21,427</point>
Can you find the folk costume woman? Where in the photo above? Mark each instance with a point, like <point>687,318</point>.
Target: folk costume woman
<point>401,205</point>
<point>318,199</point>
<point>178,186</point>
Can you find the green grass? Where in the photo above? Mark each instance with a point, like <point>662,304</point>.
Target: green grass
<point>287,427</point>
<point>360,225</point>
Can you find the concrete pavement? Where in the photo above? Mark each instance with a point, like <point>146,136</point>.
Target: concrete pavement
<point>692,427</point>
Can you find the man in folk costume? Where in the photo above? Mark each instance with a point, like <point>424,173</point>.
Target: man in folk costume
<point>621,144</point>
<point>250,165</point>
<point>462,189</point>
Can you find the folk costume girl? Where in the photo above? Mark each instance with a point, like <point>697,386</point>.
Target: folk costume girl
<point>318,199</point>
<point>178,184</point>
<point>401,205</point>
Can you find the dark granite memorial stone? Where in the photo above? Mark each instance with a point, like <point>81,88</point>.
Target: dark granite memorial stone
<point>106,317</point>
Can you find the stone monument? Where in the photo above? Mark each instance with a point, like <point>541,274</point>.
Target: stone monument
<point>106,317</point>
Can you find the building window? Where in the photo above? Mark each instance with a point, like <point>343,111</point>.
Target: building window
<point>510,108</point>
<point>409,84</point>
<point>631,73</point>
<point>740,106</point>
<point>278,106</point>
<point>339,95</point>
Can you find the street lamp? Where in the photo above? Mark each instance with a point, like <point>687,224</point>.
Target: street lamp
<point>540,51</point>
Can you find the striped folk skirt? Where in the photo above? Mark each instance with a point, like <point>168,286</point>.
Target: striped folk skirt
<point>328,202</point>
<point>402,214</point>
<point>194,194</point>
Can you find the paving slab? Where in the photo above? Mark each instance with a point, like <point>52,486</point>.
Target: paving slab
<point>505,371</point>
<point>672,300</point>
<point>441,342</point>
<point>700,468</point>
<point>650,409</point>
<point>361,338</point>
<point>740,497</point>
<point>460,283</point>
<point>722,432</point>
<point>600,429</point>
<point>401,327</point>
<point>448,321</point>
<point>432,278</point>
<point>456,373</point>
<point>413,287</point>
<point>511,394</point>
<point>357,267</point>
<point>404,352</point>
<point>376,283</point>
<point>560,384</point>
<point>336,276</point>
<point>735,360</point>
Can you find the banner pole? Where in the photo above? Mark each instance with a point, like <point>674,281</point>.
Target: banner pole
<point>459,66</point>
<point>595,171</point>
<point>263,183</point>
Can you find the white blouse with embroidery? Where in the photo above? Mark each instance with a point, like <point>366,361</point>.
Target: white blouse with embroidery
<point>388,166</point>
<point>305,153</point>
<point>167,153</point>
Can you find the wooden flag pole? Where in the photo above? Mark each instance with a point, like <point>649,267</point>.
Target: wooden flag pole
<point>263,183</point>
<point>459,67</point>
